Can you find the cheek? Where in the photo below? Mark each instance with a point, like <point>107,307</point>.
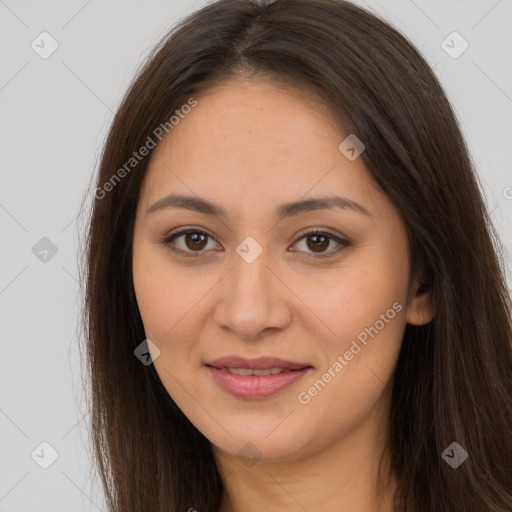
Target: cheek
<point>152,294</point>
<point>167,310</point>
<point>172,305</point>
<point>355,299</point>
<point>163,296</point>
<point>365,311</point>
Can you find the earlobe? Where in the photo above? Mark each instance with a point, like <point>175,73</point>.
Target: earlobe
<point>420,310</point>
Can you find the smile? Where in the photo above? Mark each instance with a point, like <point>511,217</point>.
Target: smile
<point>256,384</point>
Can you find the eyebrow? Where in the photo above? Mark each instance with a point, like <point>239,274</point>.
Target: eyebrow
<point>291,209</point>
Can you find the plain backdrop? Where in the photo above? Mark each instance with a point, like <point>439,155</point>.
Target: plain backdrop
<point>55,113</point>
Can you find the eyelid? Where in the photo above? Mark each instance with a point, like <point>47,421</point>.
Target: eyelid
<point>166,241</point>
<point>340,239</point>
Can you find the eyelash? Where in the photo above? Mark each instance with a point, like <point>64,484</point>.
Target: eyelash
<point>194,254</point>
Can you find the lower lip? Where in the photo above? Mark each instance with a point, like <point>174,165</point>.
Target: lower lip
<point>254,386</point>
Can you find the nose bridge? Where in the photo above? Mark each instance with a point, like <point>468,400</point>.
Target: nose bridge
<point>250,278</point>
<point>251,300</point>
<point>250,273</point>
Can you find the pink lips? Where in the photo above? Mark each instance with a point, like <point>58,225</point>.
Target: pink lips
<point>256,386</point>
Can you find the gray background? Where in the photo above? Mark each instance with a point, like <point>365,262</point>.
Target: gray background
<point>54,116</point>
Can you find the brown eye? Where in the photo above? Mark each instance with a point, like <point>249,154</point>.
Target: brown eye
<point>192,244</point>
<point>319,241</point>
<point>195,241</point>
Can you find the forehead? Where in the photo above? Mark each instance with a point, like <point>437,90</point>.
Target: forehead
<point>254,141</point>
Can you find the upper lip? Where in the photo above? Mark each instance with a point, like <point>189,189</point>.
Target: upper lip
<point>259,363</point>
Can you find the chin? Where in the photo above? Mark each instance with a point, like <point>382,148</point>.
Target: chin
<point>261,441</point>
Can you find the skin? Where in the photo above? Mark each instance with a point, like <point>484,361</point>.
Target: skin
<point>250,145</point>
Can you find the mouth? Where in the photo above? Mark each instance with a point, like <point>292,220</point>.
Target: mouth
<point>257,378</point>
<point>258,373</point>
<point>271,364</point>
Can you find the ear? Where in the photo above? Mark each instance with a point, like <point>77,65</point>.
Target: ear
<point>420,310</point>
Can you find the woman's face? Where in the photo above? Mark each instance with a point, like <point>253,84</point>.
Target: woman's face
<point>249,281</point>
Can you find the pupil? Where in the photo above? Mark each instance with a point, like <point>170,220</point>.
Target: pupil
<point>317,245</point>
<point>196,239</point>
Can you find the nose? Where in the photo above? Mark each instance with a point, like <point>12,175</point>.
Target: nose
<point>253,299</point>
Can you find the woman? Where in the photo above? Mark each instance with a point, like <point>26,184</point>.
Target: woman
<point>294,298</point>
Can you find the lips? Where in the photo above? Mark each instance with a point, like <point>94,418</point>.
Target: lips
<point>259,378</point>
<point>260,363</point>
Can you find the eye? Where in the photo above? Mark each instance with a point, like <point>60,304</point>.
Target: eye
<point>318,240</point>
<point>195,241</point>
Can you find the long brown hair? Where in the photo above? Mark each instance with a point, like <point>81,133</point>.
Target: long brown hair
<point>452,382</point>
